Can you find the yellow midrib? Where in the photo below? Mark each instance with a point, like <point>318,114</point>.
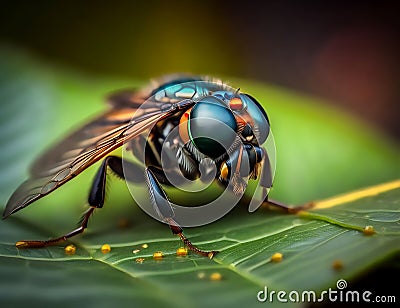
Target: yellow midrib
<point>355,195</point>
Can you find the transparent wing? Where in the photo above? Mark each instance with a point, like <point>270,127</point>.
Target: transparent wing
<point>87,145</point>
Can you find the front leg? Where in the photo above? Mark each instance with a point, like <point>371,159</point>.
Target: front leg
<point>165,211</point>
<point>95,200</point>
<point>265,185</point>
<point>263,164</point>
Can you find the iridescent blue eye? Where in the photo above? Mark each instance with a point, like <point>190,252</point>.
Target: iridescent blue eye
<point>212,126</point>
<point>259,116</point>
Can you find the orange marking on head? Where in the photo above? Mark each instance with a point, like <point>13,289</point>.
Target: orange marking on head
<point>236,103</point>
<point>183,126</point>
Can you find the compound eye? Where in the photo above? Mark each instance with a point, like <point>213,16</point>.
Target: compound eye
<point>259,116</point>
<point>212,127</point>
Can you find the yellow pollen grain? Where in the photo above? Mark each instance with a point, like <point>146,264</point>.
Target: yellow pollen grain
<point>201,275</point>
<point>277,257</point>
<point>215,276</point>
<point>181,251</point>
<point>70,250</point>
<point>145,246</point>
<point>369,230</point>
<point>158,255</point>
<point>135,251</point>
<point>337,265</point>
<point>139,260</point>
<point>105,248</point>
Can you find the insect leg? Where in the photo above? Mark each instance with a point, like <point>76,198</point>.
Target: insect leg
<point>164,209</point>
<point>95,200</point>
<point>38,244</point>
<point>266,183</point>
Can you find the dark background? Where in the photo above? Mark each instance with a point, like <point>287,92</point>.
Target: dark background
<point>344,52</point>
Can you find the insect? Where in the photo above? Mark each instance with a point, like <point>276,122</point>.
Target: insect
<point>216,125</point>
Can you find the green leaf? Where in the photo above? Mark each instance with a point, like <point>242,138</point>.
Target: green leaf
<point>365,212</point>
<point>312,243</point>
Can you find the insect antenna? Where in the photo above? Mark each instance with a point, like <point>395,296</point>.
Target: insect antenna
<point>237,92</point>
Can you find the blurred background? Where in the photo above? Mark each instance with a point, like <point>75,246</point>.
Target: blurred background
<point>345,52</point>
